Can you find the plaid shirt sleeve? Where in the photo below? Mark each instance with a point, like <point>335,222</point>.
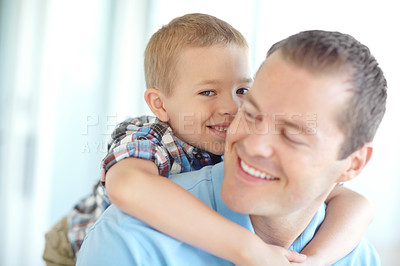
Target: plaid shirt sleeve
<point>129,140</point>
<point>137,148</point>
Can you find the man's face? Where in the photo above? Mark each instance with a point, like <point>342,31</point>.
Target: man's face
<point>282,148</point>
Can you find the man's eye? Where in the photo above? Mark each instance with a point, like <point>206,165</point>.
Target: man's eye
<point>207,93</point>
<point>249,116</point>
<point>242,91</point>
<point>290,136</point>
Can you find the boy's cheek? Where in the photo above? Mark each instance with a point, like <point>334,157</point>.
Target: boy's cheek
<point>187,124</point>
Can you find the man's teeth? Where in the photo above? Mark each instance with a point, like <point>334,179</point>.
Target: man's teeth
<point>222,129</point>
<point>250,170</point>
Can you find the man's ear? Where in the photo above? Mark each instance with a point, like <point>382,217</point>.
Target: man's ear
<point>154,99</point>
<point>356,162</point>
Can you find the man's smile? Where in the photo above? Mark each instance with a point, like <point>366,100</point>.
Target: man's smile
<point>253,174</point>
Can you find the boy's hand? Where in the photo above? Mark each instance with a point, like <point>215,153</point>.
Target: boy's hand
<point>310,261</point>
<point>272,255</point>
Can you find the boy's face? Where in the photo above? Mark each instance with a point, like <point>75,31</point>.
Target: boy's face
<point>282,148</point>
<point>208,90</point>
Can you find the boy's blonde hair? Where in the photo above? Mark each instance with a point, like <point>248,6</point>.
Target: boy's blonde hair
<point>191,30</point>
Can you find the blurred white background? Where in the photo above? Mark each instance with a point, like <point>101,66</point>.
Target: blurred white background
<point>71,69</point>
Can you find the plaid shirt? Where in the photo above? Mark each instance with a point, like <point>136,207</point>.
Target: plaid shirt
<point>143,137</point>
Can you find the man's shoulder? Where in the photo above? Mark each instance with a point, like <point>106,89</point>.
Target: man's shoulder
<point>111,231</point>
<point>203,183</point>
<point>363,255</point>
<point>199,179</point>
<point>113,219</point>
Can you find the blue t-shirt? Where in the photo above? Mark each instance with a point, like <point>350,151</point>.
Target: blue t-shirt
<point>119,239</point>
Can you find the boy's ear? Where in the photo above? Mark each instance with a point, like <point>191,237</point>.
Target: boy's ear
<point>154,99</point>
<point>356,162</point>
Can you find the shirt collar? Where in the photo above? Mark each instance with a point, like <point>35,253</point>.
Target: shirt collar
<point>244,220</point>
<point>188,149</point>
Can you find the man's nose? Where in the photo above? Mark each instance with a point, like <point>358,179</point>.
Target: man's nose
<point>259,141</point>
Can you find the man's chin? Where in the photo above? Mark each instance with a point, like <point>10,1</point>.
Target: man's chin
<point>231,199</point>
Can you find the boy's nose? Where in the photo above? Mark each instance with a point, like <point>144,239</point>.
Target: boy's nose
<point>228,106</point>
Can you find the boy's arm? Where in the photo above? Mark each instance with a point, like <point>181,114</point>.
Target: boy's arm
<point>348,215</point>
<point>135,187</point>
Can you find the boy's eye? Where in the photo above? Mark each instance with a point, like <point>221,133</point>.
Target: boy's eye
<point>242,91</point>
<point>207,93</point>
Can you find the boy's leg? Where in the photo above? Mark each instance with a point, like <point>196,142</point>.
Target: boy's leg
<point>57,250</point>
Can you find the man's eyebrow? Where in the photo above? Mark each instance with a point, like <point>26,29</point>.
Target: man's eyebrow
<point>289,123</point>
<point>297,125</point>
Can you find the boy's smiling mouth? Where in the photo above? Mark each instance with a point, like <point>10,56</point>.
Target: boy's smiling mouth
<point>219,130</point>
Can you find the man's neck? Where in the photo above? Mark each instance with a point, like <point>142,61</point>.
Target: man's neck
<point>282,231</point>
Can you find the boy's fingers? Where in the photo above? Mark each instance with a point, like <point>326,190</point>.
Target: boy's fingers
<point>294,256</point>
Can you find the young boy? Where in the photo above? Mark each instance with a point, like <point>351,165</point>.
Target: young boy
<point>197,69</point>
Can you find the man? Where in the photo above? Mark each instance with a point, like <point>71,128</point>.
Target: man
<point>306,125</point>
